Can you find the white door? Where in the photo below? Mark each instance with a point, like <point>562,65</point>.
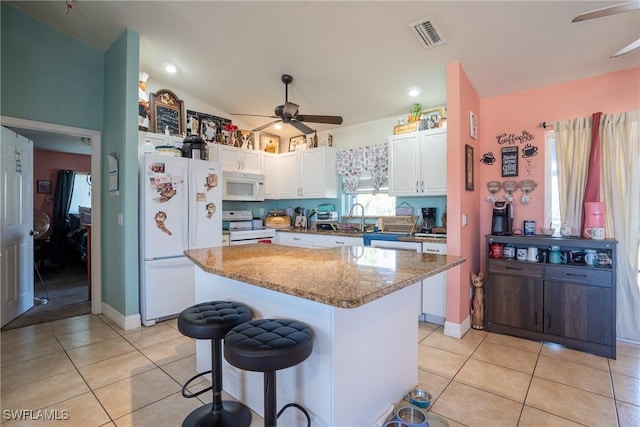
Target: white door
<point>16,228</point>
<point>164,220</point>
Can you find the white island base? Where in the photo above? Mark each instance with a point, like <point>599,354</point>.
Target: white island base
<point>364,359</point>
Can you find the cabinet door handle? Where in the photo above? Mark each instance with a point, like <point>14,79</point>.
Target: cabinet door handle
<point>238,161</point>
<point>417,189</point>
<point>433,251</point>
<point>549,320</point>
<point>422,187</point>
<point>296,238</point>
<point>576,275</point>
<point>513,268</point>
<point>339,243</point>
<point>535,322</point>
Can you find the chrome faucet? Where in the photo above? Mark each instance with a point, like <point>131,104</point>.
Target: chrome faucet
<point>361,217</point>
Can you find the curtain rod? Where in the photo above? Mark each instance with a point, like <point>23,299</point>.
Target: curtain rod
<point>545,125</point>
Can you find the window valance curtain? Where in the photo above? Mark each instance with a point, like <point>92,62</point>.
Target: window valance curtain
<point>356,161</point>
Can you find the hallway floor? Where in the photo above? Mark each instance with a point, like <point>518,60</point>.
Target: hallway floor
<point>90,371</point>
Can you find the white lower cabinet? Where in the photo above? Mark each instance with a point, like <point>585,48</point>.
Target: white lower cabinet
<point>310,240</point>
<point>434,289</point>
<point>225,240</point>
<point>302,240</point>
<point>334,241</point>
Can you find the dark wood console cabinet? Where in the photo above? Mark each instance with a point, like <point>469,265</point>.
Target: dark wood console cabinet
<point>572,304</point>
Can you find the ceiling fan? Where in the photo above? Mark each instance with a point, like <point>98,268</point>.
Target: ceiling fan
<point>612,10</point>
<point>288,113</point>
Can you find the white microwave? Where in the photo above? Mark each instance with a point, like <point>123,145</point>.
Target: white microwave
<point>242,186</point>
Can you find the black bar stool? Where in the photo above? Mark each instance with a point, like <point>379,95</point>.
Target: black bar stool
<point>212,321</point>
<point>268,345</point>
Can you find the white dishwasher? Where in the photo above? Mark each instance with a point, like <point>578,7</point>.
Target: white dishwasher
<point>399,245</point>
<point>434,289</point>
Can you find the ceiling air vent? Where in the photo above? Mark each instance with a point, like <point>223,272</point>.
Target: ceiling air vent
<point>428,33</point>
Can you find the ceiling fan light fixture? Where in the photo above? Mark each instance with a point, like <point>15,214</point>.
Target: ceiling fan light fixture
<point>170,68</point>
<point>278,126</point>
<point>414,91</point>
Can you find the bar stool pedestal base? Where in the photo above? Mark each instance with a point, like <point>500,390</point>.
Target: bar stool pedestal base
<point>234,414</point>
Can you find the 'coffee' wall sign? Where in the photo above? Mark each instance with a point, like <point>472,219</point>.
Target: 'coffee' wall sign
<point>509,161</point>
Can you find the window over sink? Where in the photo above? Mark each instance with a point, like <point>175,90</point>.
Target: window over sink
<point>378,204</point>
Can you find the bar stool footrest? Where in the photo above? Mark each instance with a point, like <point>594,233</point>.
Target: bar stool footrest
<point>189,395</point>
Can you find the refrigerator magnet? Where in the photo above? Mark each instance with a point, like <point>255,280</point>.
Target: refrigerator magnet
<point>160,218</point>
<point>201,197</point>
<point>211,209</point>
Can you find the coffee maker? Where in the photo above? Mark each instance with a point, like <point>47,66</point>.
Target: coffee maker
<point>502,220</point>
<point>428,219</point>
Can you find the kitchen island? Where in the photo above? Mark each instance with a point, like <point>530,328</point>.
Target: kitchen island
<point>362,304</point>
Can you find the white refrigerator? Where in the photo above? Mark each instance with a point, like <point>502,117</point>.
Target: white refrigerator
<point>180,209</point>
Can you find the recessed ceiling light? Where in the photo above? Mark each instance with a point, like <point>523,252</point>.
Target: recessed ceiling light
<point>170,68</point>
<point>414,91</point>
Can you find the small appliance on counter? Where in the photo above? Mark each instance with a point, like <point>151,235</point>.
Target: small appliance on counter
<point>277,218</point>
<point>502,219</point>
<point>194,147</point>
<point>429,216</point>
<point>594,217</point>
<point>327,220</point>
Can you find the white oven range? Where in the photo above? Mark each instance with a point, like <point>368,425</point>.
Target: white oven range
<point>241,231</point>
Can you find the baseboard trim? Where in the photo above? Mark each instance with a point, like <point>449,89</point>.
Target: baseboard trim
<point>457,330</point>
<point>127,323</point>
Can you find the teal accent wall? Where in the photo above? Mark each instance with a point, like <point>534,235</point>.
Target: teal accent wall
<point>47,76</point>
<point>120,260</point>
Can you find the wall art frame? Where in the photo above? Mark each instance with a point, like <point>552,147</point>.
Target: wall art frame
<point>473,125</point>
<point>167,113</point>
<point>44,186</point>
<point>468,168</point>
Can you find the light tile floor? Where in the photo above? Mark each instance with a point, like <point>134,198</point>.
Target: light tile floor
<point>90,371</point>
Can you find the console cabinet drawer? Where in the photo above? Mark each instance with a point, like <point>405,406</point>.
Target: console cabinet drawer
<point>587,276</point>
<point>517,268</point>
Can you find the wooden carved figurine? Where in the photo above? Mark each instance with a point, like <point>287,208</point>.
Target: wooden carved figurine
<point>477,316</point>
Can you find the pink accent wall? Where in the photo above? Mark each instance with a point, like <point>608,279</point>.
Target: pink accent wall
<point>507,114</point>
<point>45,167</point>
<point>523,111</point>
<point>461,99</point>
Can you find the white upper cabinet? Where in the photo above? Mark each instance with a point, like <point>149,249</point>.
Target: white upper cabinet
<point>418,163</point>
<point>270,168</point>
<point>238,159</point>
<point>308,174</point>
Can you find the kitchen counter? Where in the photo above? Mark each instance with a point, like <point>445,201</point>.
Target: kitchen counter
<point>370,235</point>
<point>320,274</point>
<point>362,304</point>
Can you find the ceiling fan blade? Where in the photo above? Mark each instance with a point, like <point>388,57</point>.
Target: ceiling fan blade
<point>628,48</point>
<point>300,126</point>
<point>332,120</point>
<point>609,10</point>
<point>254,115</point>
<point>265,126</point>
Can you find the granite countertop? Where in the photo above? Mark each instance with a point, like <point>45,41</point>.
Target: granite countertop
<point>371,235</point>
<point>344,277</point>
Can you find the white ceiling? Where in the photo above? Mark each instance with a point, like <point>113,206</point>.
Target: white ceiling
<point>354,58</point>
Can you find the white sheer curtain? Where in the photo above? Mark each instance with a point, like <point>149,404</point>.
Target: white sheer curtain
<point>620,190</point>
<point>573,142</point>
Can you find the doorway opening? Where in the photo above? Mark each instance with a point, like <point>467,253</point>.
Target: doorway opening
<point>83,236</point>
